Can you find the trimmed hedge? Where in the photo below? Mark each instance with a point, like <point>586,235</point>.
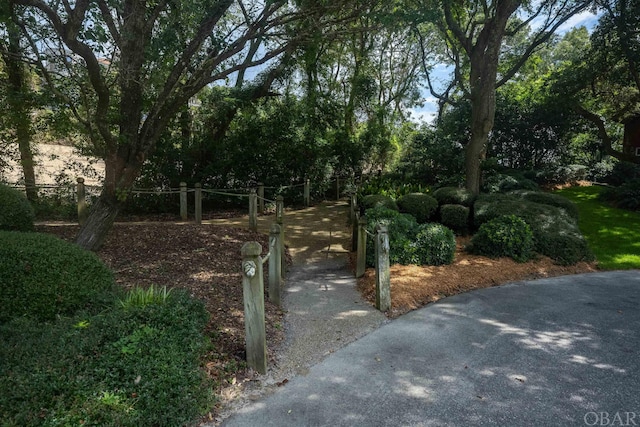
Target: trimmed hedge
<point>16,213</point>
<point>410,243</point>
<point>378,200</point>
<point>455,217</point>
<point>42,276</point>
<point>453,196</point>
<point>120,367</point>
<point>549,199</point>
<point>401,229</point>
<point>435,244</point>
<point>420,205</point>
<point>506,235</point>
<point>552,226</point>
<point>500,183</point>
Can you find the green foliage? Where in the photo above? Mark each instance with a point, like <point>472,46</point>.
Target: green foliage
<point>139,297</point>
<point>386,185</point>
<point>552,226</point>
<point>549,199</point>
<point>124,367</point>
<point>420,205</point>
<point>455,217</point>
<point>500,183</point>
<point>613,234</point>
<point>626,196</point>
<point>506,235</point>
<point>622,172</point>
<point>453,196</point>
<point>42,277</point>
<point>410,243</point>
<point>378,200</point>
<point>15,211</point>
<point>401,228</point>
<point>434,244</point>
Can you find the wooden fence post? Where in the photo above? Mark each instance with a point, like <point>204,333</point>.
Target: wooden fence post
<point>198,202</point>
<point>253,210</point>
<point>183,201</point>
<point>253,295</point>
<point>337,188</point>
<point>82,201</point>
<point>383,280</point>
<point>261,198</point>
<point>361,261</point>
<point>307,192</point>
<point>280,222</point>
<point>275,264</point>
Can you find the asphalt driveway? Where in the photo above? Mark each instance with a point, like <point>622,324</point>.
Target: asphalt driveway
<point>559,351</point>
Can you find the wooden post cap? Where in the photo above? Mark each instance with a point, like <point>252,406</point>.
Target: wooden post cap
<point>251,249</point>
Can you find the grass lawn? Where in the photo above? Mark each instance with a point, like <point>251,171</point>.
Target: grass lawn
<point>613,234</point>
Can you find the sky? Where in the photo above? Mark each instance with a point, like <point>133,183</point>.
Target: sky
<point>427,113</point>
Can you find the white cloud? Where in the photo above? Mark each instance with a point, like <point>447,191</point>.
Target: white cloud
<point>585,18</point>
<point>422,116</point>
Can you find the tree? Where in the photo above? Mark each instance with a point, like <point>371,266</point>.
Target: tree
<point>18,98</point>
<point>603,83</point>
<point>478,36</point>
<point>127,68</point>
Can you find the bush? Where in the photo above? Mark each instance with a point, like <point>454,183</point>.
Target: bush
<point>550,225</point>
<point>550,200</point>
<point>16,213</point>
<point>401,229</point>
<point>435,244</point>
<point>455,217</point>
<point>453,196</point>
<point>507,235</point>
<point>500,183</point>
<point>42,276</point>
<point>420,205</point>
<point>378,200</point>
<point>124,367</point>
<point>623,172</point>
<point>626,196</point>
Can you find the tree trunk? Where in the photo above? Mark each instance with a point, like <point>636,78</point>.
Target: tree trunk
<point>19,106</point>
<point>95,230</point>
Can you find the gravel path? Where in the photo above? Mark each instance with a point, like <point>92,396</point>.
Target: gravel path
<point>324,311</point>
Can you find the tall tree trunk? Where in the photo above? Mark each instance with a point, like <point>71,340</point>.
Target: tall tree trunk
<point>19,106</point>
<point>120,175</point>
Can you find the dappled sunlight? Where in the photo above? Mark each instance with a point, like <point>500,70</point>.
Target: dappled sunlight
<point>582,360</point>
<point>351,313</point>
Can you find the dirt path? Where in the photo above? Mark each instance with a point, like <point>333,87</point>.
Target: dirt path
<point>312,234</point>
<point>323,309</point>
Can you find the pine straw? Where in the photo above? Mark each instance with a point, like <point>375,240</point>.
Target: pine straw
<point>415,286</point>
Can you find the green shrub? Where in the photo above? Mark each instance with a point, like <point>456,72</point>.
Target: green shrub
<point>626,196</point>
<point>389,186</point>
<point>434,244</point>
<point>500,183</point>
<point>401,228</point>
<point>550,225</point>
<point>124,367</point>
<point>506,235</point>
<point>420,205</point>
<point>453,196</point>
<point>378,200</point>
<point>16,213</point>
<point>43,276</point>
<point>549,199</point>
<point>455,217</point>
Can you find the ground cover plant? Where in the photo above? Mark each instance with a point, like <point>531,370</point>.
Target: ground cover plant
<point>613,234</point>
<point>130,365</point>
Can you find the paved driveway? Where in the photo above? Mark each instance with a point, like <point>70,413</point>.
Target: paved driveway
<point>560,351</point>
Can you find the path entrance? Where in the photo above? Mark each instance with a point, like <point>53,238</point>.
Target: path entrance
<point>324,310</point>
